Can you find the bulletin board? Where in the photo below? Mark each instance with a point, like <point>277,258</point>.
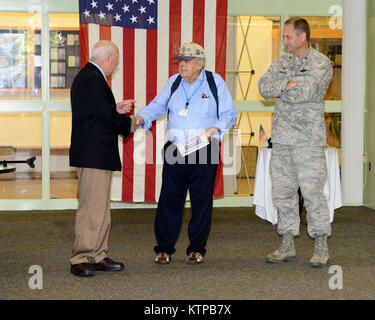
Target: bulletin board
<point>64,58</point>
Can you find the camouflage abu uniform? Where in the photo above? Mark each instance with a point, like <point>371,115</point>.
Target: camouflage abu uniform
<point>298,139</point>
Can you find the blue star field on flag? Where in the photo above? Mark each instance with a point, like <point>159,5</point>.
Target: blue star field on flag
<point>137,14</point>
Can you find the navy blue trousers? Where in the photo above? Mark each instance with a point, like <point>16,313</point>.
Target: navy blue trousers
<point>196,173</point>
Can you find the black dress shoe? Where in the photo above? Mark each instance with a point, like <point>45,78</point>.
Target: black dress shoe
<point>82,270</point>
<point>108,265</point>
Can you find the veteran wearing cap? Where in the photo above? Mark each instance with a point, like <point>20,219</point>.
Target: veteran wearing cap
<point>200,111</point>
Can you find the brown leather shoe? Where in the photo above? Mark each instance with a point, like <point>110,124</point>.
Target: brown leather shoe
<point>163,258</point>
<point>108,264</point>
<point>82,270</point>
<point>194,258</point>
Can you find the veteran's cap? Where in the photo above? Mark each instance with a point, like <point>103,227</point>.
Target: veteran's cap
<point>190,50</point>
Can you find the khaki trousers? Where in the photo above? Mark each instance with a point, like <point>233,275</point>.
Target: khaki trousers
<point>93,219</point>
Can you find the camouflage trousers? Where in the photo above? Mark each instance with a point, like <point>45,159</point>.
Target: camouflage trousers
<point>305,167</point>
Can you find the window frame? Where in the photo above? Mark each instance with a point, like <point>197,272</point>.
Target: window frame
<point>45,106</point>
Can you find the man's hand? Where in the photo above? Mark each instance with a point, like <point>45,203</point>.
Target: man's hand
<point>137,122</point>
<point>291,84</point>
<point>125,106</point>
<point>135,126</point>
<point>210,132</point>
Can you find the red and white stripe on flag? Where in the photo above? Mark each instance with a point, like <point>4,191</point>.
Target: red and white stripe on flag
<point>145,66</point>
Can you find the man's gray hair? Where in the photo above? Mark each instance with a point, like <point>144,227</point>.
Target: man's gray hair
<point>102,49</point>
<point>203,60</point>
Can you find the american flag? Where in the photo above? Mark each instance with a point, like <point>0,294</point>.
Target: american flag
<point>262,134</point>
<point>136,14</point>
<point>149,33</point>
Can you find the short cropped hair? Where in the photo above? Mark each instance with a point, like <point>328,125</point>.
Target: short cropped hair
<point>102,49</point>
<point>301,25</point>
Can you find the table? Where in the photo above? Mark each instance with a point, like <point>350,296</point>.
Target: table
<point>263,187</point>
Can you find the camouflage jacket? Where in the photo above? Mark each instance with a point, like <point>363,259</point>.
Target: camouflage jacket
<point>299,112</point>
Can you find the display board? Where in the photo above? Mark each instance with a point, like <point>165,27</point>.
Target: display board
<point>64,58</point>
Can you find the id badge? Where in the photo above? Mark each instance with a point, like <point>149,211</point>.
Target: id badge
<point>183,112</point>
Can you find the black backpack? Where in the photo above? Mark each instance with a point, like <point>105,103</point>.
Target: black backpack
<point>211,83</point>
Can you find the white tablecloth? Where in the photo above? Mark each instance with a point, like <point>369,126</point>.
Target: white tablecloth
<point>263,186</point>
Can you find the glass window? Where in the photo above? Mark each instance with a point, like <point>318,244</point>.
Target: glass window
<point>253,43</point>
<point>20,56</point>
<point>20,140</point>
<point>255,129</point>
<point>65,58</point>
<point>63,177</point>
<point>327,38</point>
<point>333,131</point>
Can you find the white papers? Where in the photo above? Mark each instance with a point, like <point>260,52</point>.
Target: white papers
<point>191,145</point>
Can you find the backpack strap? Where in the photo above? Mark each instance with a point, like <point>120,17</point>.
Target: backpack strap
<point>175,85</point>
<point>213,88</point>
<point>211,83</point>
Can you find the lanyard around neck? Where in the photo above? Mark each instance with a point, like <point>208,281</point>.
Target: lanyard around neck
<point>189,98</point>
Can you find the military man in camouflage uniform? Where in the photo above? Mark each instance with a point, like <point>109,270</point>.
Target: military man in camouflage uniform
<point>299,81</point>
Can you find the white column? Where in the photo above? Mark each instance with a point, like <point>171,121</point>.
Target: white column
<point>353,99</point>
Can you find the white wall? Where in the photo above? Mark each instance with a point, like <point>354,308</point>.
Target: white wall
<point>353,97</point>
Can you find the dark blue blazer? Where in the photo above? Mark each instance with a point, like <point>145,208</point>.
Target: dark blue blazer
<point>95,122</point>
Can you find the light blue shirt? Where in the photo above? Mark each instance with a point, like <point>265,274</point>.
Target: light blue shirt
<point>99,69</point>
<point>201,112</point>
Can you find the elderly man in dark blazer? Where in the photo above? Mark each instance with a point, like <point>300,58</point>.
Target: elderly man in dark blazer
<point>96,123</point>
